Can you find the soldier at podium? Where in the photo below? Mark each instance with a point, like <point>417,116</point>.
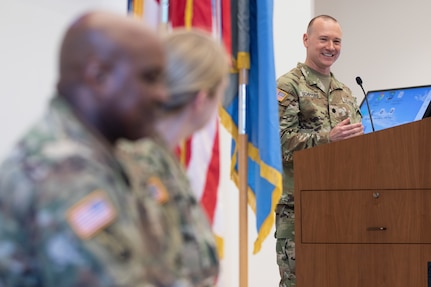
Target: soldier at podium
<point>314,108</point>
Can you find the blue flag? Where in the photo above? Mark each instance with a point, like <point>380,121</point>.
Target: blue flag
<point>262,122</point>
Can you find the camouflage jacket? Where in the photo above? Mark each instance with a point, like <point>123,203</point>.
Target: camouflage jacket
<point>307,113</point>
<point>168,182</point>
<point>68,216</point>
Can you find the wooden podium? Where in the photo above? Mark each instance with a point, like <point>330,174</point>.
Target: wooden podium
<point>363,210</point>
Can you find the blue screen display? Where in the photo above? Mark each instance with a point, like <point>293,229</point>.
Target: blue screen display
<point>390,108</point>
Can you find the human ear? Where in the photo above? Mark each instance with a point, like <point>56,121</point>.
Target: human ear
<point>200,99</point>
<point>305,40</point>
<point>94,74</point>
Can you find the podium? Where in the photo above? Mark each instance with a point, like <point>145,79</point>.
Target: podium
<point>363,210</point>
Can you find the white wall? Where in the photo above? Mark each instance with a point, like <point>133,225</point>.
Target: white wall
<point>31,31</point>
<point>387,43</point>
<point>291,18</point>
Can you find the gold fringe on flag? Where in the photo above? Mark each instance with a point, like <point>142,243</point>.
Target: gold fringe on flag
<point>188,15</point>
<point>138,8</point>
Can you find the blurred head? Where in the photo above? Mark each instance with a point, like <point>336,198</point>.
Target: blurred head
<point>112,70</point>
<point>323,43</point>
<point>197,70</point>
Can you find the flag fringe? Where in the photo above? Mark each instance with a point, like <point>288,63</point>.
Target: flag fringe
<point>267,172</point>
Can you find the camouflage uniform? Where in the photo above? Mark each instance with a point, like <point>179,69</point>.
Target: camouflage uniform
<point>199,260</point>
<point>68,216</point>
<point>307,115</point>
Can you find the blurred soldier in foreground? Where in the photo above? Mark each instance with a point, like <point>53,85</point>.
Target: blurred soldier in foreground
<point>68,214</point>
<point>196,84</point>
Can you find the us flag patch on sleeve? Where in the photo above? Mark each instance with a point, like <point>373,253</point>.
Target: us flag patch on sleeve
<point>281,95</point>
<point>158,190</point>
<point>91,214</point>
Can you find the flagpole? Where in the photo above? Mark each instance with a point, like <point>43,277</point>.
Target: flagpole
<point>243,65</point>
<point>164,16</point>
<point>242,173</point>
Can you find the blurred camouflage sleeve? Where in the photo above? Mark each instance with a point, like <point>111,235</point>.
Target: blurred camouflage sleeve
<point>40,247</point>
<point>160,172</point>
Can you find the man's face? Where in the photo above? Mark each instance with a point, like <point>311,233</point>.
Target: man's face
<point>138,86</point>
<point>323,43</point>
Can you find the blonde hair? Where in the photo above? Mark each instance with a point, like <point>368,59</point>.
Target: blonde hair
<point>195,62</point>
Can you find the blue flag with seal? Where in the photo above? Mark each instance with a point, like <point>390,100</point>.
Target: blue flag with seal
<point>252,36</point>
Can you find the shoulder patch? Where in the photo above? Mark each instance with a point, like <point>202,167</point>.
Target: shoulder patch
<point>158,190</point>
<point>281,95</point>
<point>91,214</point>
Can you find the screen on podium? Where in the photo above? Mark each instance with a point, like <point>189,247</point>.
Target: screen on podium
<point>393,107</point>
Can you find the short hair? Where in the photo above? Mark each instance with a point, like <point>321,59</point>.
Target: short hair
<point>195,61</point>
<point>325,17</point>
